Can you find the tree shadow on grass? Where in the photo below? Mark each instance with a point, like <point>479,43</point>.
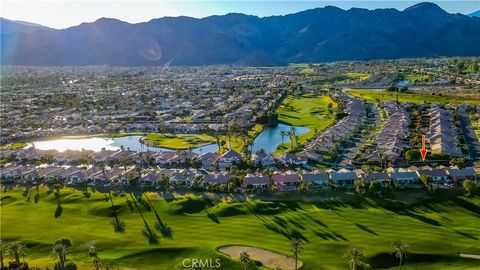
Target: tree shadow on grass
<point>118,225</point>
<point>212,217</point>
<point>151,236</point>
<point>423,218</point>
<point>319,222</point>
<point>471,207</point>
<point>465,234</point>
<point>296,223</point>
<point>280,221</point>
<point>329,236</point>
<point>58,211</point>
<point>365,228</point>
<point>386,261</point>
<point>162,227</point>
<point>148,233</point>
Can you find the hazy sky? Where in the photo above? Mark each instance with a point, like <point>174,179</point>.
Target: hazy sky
<point>66,13</point>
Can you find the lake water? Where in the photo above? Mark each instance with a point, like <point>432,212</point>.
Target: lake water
<point>97,143</point>
<point>403,83</point>
<point>271,138</point>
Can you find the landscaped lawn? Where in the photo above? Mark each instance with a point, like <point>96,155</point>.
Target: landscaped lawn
<point>179,141</point>
<point>309,111</point>
<point>236,142</point>
<point>374,95</point>
<point>358,76</point>
<point>435,226</point>
<point>415,77</point>
<point>14,146</point>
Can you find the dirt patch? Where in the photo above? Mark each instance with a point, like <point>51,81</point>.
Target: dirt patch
<point>266,257</point>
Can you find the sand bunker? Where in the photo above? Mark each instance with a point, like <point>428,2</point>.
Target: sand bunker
<point>266,257</point>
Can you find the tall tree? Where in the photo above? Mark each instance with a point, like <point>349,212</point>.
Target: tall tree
<point>16,250</point>
<point>245,259</point>
<point>283,134</point>
<point>3,250</point>
<point>292,131</point>
<point>354,258</point>
<point>400,250</point>
<point>469,186</point>
<point>296,246</point>
<point>92,252</point>
<point>426,180</point>
<point>61,248</point>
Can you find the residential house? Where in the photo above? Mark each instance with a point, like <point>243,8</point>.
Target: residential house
<point>461,174</point>
<point>404,178</point>
<point>286,181</point>
<point>216,178</point>
<point>208,160</point>
<point>256,181</point>
<point>263,159</point>
<point>343,178</point>
<point>181,179</point>
<point>380,177</point>
<point>318,178</point>
<point>288,159</point>
<point>438,175</point>
<point>229,158</point>
<point>150,179</point>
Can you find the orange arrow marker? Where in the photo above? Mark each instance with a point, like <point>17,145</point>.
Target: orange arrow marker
<point>423,151</point>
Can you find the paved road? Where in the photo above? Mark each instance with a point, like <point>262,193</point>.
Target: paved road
<point>471,138</point>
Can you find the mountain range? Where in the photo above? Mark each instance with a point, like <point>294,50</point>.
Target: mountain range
<point>316,35</point>
<point>475,14</point>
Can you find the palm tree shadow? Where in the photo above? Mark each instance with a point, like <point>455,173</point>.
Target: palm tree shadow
<point>58,211</point>
<point>365,228</point>
<point>151,236</point>
<point>213,217</point>
<point>118,225</point>
<point>162,227</point>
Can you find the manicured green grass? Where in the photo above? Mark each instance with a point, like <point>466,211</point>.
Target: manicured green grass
<point>14,146</point>
<point>308,70</point>
<point>374,95</point>
<point>309,111</point>
<point>178,141</point>
<point>415,77</point>
<point>436,226</point>
<point>358,76</point>
<point>236,142</point>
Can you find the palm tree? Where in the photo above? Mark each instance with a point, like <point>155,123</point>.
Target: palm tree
<point>245,259</point>
<point>400,250</point>
<point>354,257</point>
<point>61,249</point>
<point>268,173</point>
<point>3,250</point>
<point>283,134</point>
<point>104,172</point>
<point>92,252</point>
<point>292,131</point>
<point>16,250</point>
<point>297,248</point>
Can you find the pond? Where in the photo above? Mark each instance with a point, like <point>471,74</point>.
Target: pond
<point>270,138</point>
<point>403,83</point>
<point>97,143</point>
